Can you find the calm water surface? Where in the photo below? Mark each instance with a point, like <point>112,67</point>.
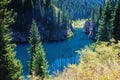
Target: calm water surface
<point>58,54</point>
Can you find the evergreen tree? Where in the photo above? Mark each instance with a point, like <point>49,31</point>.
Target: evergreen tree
<point>10,68</point>
<point>38,62</point>
<point>116,22</point>
<point>59,19</point>
<point>105,31</point>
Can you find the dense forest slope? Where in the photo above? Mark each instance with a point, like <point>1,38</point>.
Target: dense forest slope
<point>52,22</point>
<point>79,8</point>
<point>53,17</point>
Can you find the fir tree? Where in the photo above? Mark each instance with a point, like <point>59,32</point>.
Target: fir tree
<point>59,19</point>
<point>116,22</point>
<point>38,62</point>
<point>105,31</point>
<point>10,68</point>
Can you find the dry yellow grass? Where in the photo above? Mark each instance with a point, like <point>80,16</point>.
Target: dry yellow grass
<point>99,62</point>
<point>102,64</point>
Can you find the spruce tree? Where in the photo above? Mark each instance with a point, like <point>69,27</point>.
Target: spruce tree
<point>105,31</point>
<point>10,67</point>
<point>116,22</point>
<point>38,62</point>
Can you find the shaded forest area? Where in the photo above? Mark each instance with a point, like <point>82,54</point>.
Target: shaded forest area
<point>52,17</point>
<point>49,18</point>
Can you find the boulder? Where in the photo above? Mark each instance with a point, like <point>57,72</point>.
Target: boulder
<point>91,29</point>
<point>87,26</point>
<point>94,30</point>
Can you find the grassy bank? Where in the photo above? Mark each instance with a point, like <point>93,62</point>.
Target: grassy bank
<point>99,62</point>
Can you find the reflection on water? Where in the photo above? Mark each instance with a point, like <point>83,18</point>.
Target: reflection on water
<point>59,54</point>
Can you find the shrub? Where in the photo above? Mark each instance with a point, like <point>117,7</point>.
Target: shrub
<point>99,62</point>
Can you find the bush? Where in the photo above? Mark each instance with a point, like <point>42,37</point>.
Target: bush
<point>99,62</point>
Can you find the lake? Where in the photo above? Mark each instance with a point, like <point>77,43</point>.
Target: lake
<point>58,54</point>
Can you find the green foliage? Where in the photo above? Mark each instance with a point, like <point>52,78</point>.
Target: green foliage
<point>96,14</point>
<point>38,62</point>
<point>95,18</point>
<point>77,8</point>
<point>110,21</point>
<point>10,68</point>
<point>59,18</point>
<point>44,11</point>
<point>99,62</point>
<point>116,22</point>
<point>105,32</point>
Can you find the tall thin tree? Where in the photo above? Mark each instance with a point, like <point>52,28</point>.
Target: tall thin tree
<point>10,68</point>
<point>105,31</point>
<point>116,22</point>
<point>38,62</point>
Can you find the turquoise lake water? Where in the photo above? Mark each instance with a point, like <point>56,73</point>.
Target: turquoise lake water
<point>58,54</point>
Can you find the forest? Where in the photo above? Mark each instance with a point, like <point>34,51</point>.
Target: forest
<point>59,39</point>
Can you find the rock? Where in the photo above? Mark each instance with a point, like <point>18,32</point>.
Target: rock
<point>94,30</point>
<point>87,27</point>
<point>91,29</point>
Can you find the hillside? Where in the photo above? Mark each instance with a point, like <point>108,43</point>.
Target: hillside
<point>53,24</point>
<point>79,9</point>
<point>54,17</point>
